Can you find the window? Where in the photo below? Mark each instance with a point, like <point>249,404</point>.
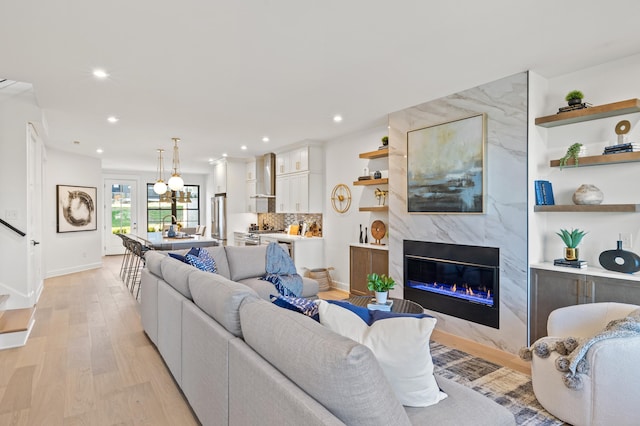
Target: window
<point>184,205</point>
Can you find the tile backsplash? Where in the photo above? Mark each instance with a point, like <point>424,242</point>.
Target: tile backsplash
<point>281,220</point>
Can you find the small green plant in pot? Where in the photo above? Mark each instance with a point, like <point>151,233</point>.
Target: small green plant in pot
<point>574,97</point>
<point>385,140</point>
<point>571,239</point>
<point>380,284</point>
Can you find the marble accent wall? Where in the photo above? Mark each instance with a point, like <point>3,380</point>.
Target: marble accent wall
<point>504,223</point>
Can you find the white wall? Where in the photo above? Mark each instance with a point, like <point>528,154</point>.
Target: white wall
<point>607,83</point>
<point>69,252</point>
<point>344,166</point>
<point>16,110</point>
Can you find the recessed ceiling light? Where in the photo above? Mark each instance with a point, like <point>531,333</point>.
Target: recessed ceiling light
<point>99,151</point>
<point>243,147</point>
<point>224,155</point>
<point>100,73</point>
<point>265,139</point>
<point>113,119</point>
<point>337,118</point>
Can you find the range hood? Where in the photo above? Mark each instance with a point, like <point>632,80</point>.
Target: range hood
<point>266,184</point>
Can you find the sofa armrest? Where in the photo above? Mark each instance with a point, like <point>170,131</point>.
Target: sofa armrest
<point>585,320</point>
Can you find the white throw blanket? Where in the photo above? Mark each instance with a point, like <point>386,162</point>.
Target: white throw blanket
<point>572,361</point>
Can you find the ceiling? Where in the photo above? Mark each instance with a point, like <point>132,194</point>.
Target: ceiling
<point>220,75</point>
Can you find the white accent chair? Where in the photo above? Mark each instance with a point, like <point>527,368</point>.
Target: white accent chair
<point>609,395</point>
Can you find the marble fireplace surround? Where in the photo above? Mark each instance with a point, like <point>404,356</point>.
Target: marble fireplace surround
<point>504,223</point>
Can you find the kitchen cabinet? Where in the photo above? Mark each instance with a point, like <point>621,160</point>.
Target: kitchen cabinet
<point>299,193</point>
<point>307,253</point>
<point>251,170</point>
<point>365,259</point>
<point>294,161</point>
<point>220,177</point>
<point>300,180</point>
<point>552,289</point>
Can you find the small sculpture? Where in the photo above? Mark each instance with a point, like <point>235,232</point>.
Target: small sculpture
<point>381,195</point>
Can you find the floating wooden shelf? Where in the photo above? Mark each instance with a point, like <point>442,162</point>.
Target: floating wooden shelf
<point>592,113</point>
<point>382,181</point>
<point>609,208</point>
<point>378,153</point>
<point>374,209</point>
<point>597,160</point>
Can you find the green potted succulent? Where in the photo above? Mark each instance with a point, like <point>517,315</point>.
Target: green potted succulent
<point>574,97</point>
<point>571,239</point>
<point>385,140</point>
<point>380,284</point>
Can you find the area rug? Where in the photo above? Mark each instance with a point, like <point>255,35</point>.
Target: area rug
<point>509,388</point>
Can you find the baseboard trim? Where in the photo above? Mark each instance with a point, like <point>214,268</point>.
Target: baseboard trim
<point>74,269</point>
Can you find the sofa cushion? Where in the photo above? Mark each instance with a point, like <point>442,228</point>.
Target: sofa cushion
<point>463,407</point>
<point>176,274</point>
<point>246,261</point>
<point>399,342</point>
<point>202,261</point>
<point>219,254</point>
<point>152,261</point>
<point>220,298</point>
<point>298,304</point>
<point>340,373</point>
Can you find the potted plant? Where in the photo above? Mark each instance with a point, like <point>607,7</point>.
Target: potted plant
<point>571,241</point>
<point>380,284</point>
<point>572,152</point>
<point>385,140</point>
<point>574,97</point>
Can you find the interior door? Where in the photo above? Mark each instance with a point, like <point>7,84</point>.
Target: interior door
<point>35,161</point>
<point>120,212</point>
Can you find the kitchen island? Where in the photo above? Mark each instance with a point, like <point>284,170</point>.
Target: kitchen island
<point>157,241</point>
<point>307,252</point>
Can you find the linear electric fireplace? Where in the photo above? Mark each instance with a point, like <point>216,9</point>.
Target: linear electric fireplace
<point>458,280</point>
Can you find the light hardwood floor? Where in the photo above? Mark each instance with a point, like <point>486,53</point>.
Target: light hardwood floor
<point>88,362</point>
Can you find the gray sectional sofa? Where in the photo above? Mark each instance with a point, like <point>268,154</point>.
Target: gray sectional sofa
<point>240,360</point>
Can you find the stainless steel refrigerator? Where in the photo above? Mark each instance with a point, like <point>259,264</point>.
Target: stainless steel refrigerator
<point>219,218</point>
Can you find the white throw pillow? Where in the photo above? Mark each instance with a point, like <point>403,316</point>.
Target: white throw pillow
<point>400,344</point>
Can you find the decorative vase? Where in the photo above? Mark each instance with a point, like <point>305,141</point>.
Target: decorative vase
<point>377,174</point>
<point>381,297</point>
<point>570,253</point>
<point>620,260</point>
<point>171,232</point>
<point>587,194</point>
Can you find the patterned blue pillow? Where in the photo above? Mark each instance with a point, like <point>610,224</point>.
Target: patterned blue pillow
<point>203,261</point>
<point>298,304</point>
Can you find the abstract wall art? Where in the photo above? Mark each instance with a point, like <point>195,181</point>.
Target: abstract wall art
<point>446,167</point>
<point>76,208</point>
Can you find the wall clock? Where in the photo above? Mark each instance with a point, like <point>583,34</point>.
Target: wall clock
<point>341,198</point>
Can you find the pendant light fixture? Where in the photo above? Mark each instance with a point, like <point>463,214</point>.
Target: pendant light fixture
<point>160,187</point>
<point>175,182</point>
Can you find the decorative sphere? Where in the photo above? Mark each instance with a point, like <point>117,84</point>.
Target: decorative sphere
<point>587,194</point>
<point>176,183</point>
<point>160,187</point>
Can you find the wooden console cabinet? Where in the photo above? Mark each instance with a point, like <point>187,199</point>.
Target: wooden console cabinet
<point>363,260</point>
<point>556,289</point>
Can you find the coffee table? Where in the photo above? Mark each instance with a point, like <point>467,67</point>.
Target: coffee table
<point>399,305</point>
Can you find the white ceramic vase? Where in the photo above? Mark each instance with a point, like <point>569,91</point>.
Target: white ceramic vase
<point>381,297</point>
<point>587,194</point>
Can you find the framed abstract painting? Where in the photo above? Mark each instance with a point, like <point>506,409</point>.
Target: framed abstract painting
<point>76,208</point>
<point>446,167</point>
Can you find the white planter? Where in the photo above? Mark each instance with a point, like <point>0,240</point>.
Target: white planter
<point>381,297</point>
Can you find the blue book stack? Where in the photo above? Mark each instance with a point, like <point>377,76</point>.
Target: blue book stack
<point>544,193</point>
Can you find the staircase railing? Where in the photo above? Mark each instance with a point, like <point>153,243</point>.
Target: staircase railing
<point>13,228</point>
